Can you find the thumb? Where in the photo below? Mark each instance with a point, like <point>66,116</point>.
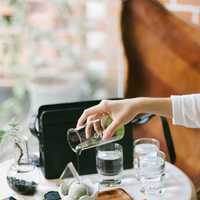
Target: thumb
<point>110,130</point>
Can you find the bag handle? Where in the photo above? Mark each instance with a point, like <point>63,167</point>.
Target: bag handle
<point>169,140</point>
<point>143,119</point>
<point>33,126</point>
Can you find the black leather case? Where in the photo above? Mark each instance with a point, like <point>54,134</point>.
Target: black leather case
<point>50,127</point>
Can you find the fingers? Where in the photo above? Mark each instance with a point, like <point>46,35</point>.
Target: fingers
<point>98,109</point>
<point>109,132</point>
<point>88,129</point>
<point>98,128</point>
<point>91,125</point>
<point>91,114</point>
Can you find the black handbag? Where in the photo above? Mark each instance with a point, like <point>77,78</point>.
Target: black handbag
<point>50,126</point>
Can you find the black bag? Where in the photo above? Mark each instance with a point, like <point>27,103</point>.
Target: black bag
<point>50,127</point>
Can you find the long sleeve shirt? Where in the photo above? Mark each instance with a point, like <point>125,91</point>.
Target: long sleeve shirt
<point>186,110</point>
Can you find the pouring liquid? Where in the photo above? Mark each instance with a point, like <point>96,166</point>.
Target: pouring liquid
<point>78,154</point>
<point>89,143</point>
<point>77,137</point>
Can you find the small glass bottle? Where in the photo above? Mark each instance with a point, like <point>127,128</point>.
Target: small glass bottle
<point>78,141</point>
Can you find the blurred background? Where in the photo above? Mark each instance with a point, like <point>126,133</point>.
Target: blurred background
<point>54,51</point>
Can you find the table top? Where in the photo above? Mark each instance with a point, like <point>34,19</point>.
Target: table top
<point>176,186</point>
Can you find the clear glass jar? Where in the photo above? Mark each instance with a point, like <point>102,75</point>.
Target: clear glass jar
<point>22,175</point>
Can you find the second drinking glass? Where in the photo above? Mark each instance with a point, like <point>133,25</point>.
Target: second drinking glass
<point>109,163</point>
<point>145,149</point>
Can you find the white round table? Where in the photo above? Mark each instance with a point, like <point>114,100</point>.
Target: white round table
<point>177,185</point>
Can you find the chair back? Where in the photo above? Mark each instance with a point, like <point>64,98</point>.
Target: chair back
<point>163,58</point>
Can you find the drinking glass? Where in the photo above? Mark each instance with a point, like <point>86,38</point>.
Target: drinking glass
<point>109,163</point>
<point>152,173</point>
<point>145,149</point>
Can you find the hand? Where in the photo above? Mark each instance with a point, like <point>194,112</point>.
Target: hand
<point>121,112</point>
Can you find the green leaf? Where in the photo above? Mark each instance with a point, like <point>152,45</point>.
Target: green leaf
<point>2,132</point>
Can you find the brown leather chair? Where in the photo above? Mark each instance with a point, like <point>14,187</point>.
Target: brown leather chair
<point>163,58</point>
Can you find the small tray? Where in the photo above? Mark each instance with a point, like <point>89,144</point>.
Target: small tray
<point>115,194</point>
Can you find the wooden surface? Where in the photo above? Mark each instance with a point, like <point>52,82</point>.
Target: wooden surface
<point>116,194</point>
<point>163,58</point>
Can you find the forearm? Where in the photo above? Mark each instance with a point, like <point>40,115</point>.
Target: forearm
<point>186,110</point>
<point>158,106</point>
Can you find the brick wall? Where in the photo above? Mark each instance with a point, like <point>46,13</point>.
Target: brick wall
<point>188,10</point>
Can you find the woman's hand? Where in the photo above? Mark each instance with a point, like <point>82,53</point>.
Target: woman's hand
<point>121,112</point>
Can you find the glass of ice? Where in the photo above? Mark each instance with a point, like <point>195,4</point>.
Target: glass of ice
<point>152,174</point>
<point>109,164</point>
<point>145,149</point>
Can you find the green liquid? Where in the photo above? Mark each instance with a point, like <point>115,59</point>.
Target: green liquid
<point>119,132</point>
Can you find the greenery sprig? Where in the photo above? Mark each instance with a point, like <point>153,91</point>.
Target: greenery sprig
<point>12,132</point>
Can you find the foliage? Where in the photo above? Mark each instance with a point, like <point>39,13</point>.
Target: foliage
<point>13,106</point>
<point>9,131</point>
<point>10,138</point>
<point>2,132</point>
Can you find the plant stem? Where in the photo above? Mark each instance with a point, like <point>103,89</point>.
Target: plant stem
<point>21,153</point>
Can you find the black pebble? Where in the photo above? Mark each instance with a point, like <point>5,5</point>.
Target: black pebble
<point>52,195</point>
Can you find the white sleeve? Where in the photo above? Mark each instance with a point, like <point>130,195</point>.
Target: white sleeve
<point>186,110</point>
